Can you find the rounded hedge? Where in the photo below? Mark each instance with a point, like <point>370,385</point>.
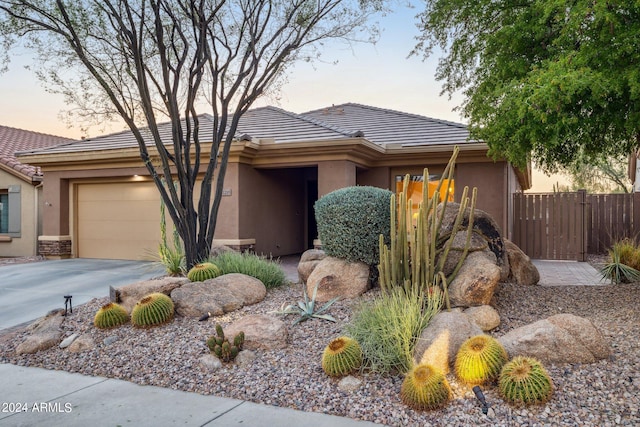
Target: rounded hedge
<point>350,221</point>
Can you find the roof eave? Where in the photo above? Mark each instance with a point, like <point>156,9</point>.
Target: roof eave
<point>17,174</point>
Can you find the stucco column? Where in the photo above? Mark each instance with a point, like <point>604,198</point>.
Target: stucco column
<point>55,241</point>
<point>335,174</point>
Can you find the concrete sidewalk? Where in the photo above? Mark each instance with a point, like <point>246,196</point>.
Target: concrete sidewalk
<point>567,273</point>
<point>40,397</point>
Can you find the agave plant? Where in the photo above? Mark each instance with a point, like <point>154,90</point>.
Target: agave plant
<point>307,308</point>
<point>618,272</point>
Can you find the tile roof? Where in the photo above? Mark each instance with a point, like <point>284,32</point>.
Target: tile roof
<point>14,140</point>
<point>383,126</point>
<point>262,123</point>
<point>380,126</point>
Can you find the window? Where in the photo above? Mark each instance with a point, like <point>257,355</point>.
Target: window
<point>4,211</point>
<point>10,211</point>
<point>416,184</point>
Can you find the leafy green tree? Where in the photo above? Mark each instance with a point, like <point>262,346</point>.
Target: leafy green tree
<point>551,80</point>
<point>157,60</point>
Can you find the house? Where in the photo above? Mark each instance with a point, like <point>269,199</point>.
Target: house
<point>20,191</point>
<point>101,203</point>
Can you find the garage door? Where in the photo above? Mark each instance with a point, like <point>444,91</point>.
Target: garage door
<point>117,220</point>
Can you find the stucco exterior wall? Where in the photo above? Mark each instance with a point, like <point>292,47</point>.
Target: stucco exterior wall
<point>23,244</point>
<point>335,174</point>
<point>491,180</point>
<point>374,177</point>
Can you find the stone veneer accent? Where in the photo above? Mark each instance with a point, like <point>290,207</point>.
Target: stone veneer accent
<point>54,246</point>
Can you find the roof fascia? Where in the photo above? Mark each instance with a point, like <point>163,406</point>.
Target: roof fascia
<point>19,175</point>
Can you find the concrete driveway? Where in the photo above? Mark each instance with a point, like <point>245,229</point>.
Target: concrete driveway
<point>28,291</point>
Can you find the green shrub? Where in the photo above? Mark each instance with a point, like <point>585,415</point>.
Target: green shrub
<point>387,328</point>
<point>351,220</point>
<point>268,271</point>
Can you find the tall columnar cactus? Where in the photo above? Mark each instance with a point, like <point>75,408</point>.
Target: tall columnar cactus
<point>524,381</point>
<point>342,356</point>
<point>480,359</point>
<point>203,271</point>
<point>154,309</point>
<point>110,315</point>
<point>417,253</point>
<point>425,388</point>
<point>222,348</point>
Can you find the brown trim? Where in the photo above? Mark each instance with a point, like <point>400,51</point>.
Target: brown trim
<point>268,154</point>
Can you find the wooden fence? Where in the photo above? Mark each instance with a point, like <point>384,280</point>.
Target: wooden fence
<point>609,218</point>
<point>567,226</point>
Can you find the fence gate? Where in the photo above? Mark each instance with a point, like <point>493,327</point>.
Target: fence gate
<point>551,226</point>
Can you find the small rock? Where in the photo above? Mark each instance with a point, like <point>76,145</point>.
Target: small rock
<point>210,362</point>
<point>67,341</point>
<point>82,343</point>
<point>245,358</point>
<point>261,331</point>
<point>349,383</point>
<point>110,340</point>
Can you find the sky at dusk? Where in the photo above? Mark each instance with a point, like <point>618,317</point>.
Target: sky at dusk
<point>381,75</point>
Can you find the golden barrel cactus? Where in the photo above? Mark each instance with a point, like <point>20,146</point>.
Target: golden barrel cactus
<point>342,356</point>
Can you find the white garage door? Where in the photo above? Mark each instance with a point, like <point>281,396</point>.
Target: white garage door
<point>117,220</point>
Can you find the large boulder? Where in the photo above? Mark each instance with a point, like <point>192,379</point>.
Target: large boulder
<point>44,333</point>
<point>484,226</point>
<point>338,278</point>
<point>261,332</point>
<point>308,262</point>
<point>441,339</point>
<point>129,295</point>
<point>521,269</point>
<point>476,243</point>
<point>476,281</point>
<point>218,296</point>
<point>485,316</point>
<point>563,338</point>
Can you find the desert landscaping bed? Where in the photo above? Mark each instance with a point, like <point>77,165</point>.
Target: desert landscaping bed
<point>599,394</point>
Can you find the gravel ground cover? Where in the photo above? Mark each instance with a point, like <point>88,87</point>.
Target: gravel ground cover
<point>606,393</point>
